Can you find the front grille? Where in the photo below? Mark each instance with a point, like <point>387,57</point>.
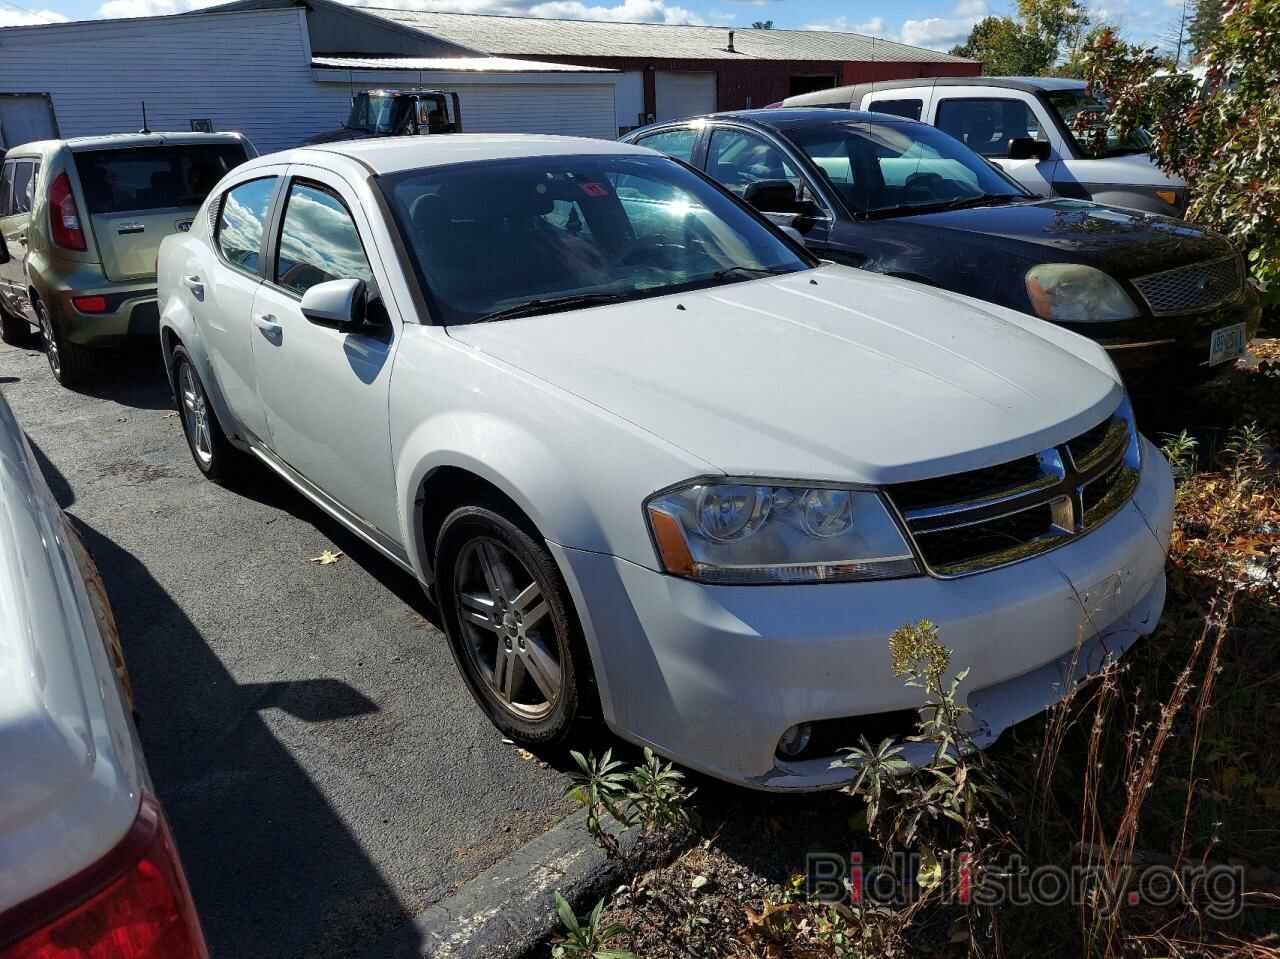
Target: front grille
<point>1194,287</point>
<point>978,520</point>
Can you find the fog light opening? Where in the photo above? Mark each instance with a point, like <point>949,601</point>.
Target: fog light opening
<point>795,740</point>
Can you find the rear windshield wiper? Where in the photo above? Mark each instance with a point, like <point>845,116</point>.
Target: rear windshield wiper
<point>551,304</point>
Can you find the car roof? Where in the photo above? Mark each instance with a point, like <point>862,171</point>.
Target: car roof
<point>859,90</point>
<point>124,141</point>
<point>394,154</point>
<point>783,118</point>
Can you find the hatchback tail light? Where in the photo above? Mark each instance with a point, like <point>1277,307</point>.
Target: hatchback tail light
<point>90,304</point>
<point>132,904</point>
<point>64,215</point>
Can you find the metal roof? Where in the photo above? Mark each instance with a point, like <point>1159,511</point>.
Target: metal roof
<point>536,36</point>
<point>453,64</point>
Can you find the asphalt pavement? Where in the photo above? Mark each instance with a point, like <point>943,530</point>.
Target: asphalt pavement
<point>326,773</point>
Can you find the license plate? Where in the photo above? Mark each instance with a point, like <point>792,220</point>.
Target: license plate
<point>1227,343</point>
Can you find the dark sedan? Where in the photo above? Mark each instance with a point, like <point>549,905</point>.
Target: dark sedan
<point>1169,300</point>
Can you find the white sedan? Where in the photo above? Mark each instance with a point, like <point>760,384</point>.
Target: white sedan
<point>654,461</point>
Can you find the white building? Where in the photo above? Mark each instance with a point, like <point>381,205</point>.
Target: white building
<point>256,71</point>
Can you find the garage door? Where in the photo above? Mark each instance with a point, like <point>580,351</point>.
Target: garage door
<point>684,94</point>
<point>25,117</point>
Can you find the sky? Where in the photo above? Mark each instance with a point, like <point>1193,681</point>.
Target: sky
<point>938,24</point>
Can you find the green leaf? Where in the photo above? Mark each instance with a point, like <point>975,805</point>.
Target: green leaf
<point>567,918</point>
<point>929,875</point>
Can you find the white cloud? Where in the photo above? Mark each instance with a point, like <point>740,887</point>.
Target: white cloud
<point>943,33</point>
<point>13,17</point>
<point>114,9</point>
<point>650,11</point>
<point>874,27</point>
<point>643,11</point>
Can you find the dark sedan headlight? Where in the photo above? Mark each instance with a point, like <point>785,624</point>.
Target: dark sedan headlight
<point>1075,293</point>
<point>745,532</point>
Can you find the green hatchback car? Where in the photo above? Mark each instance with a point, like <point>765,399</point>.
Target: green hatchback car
<point>81,222</point>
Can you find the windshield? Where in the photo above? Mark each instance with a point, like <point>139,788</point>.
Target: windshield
<point>383,114</point>
<point>154,178</point>
<point>1083,116</point>
<point>489,237</point>
<point>884,167</point>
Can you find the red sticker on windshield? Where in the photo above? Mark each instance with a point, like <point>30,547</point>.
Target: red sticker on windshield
<point>593,189</point>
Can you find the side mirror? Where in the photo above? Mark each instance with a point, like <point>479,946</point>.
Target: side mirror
<point>1025,148</point>
<point>4,251</point>
<point>773,196</point>
<point>339,304</point>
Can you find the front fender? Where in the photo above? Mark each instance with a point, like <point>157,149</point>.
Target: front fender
<point>504,454</point>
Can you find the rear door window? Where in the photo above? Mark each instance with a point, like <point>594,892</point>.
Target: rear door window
<point>154,178</point>
<point>987,126</point>
<point>24,181</point>
<point>6,187</point>
<point>242,221</point>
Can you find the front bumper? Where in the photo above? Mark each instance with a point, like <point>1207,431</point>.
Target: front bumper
<point>711,676</point>
<point>1154,352</point>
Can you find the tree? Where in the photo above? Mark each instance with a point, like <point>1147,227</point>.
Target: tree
<point>1044,31</point>
<point>762,25</point>
<point>1205,23</point>
<point>1001,44</point>
<point>1223,138</point>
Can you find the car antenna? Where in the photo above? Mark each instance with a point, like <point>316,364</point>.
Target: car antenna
<point>145,128</point>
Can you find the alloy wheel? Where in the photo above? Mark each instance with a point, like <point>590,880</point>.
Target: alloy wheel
<point>50,340</point>
<point>507,628</point>
<point>195,414</point>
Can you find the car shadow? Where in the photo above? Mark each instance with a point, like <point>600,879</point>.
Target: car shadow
<point>131,376</point>
<point>273,868</point>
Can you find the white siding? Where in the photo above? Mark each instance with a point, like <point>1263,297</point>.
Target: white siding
<point>246,71</point>
<point>567,104</point>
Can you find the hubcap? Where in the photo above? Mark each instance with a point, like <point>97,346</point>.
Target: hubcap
<point>50,341</point>
<point>507,628</point>
<point>195,413</point>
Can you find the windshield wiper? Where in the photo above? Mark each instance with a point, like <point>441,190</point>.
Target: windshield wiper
<point>749,272</point>
<point>551,304</point>
<point>957,203</point>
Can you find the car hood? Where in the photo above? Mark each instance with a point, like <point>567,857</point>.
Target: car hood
<point>831,374</point>
<point>1125,243</point>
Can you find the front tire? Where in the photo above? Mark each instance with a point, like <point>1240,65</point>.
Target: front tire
<point>511,627</point>
<point>215,457</point>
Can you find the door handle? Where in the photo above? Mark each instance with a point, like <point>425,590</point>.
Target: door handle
<point>269,327</point>
<point>194,284</point>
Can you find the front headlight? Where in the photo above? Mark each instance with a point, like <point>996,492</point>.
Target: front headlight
<point>1075,293</point>
<point>728,531</point>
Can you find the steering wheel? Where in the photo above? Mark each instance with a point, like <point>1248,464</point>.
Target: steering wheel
<point>924,186</point>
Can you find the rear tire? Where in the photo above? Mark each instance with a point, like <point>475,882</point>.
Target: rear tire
<point>215,457</point>
<point>70,364</point>
<point>512,627</point>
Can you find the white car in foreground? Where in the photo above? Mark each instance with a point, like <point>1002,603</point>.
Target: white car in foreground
<point>654,459</point>
<point>87,864</point>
